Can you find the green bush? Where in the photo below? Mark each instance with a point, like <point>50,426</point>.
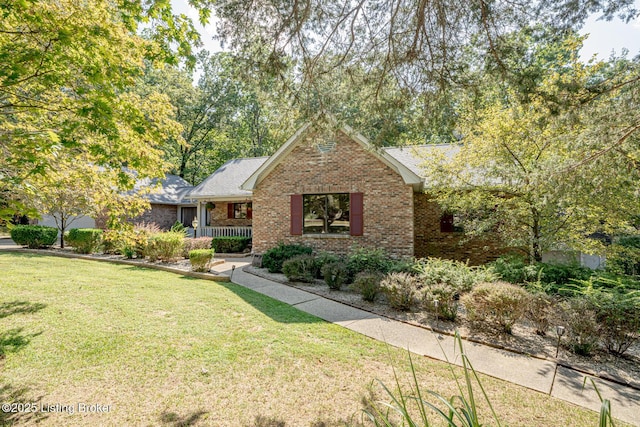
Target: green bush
<point>632,241</point>
<point>367,284</point>
<point>165,246</point>
<point>85,240</point>
<point>178,227</point>
<point>553,276</point>
<point>200,259</point>
<point>514,269</point>
<point>191,244</point>
<point>540,311</point>
<point>230,244</point>
<point>335,274</point>
<point>323,258</point>
<point>580,317</point>
<point>367,259</point>
<point>448,300</point>
<point>618,314</point>
<point>275,257</point>
<point>301,268</point>
<point>400,289</point>
<point>34,236</point>
<point>458,275</point>
<point>623,260</point>
<point>498,304</point>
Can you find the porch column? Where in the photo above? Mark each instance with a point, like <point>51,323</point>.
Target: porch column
<point>198,232</point>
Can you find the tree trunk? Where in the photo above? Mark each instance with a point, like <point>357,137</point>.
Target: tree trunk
<point>536,252</point>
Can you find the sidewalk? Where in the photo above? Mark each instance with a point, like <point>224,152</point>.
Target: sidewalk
<point>537,374</point>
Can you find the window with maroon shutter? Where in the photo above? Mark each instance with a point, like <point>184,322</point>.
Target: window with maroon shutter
<point>357,208</point>
<point>296,214</point>
<point>326,213</point>
<point>230,211</point>
<point>450,224</point>
<point>239,211</point>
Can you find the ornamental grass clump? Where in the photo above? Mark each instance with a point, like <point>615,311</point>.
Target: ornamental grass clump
<point>497,304</point>
<point>200,259</point>
<point>400,289</point>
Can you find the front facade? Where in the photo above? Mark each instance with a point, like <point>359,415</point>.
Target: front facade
<point>333,191</point>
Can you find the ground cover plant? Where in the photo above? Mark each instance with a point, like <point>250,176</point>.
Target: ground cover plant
<point>160,348</point>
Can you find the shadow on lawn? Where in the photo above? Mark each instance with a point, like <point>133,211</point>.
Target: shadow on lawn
<point>19,398</point>
<point>19,307</point>
<point>174,420</point>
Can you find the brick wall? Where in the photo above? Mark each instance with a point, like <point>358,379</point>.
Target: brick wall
<point>348,168</point>
<point>218,217</point>
<point>164,216</point>
<point>430,242</point>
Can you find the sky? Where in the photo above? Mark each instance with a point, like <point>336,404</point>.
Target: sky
<point>604,37</point>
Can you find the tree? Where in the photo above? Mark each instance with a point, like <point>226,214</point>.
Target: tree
<point>536,166</point>
<point>66,68</point>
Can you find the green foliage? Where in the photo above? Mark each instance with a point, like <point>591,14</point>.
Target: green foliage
<point>335,274</point>
<point>178,227</point>
<point>579,315</point>
<point>34,236</point>
<point>165,246</point>
<point>230,244</point>
<point>200,259</point>
<point>197,243</point>
<point>275,257</point>
<point>368,285</point>
<point>498,304</point>
<point>623,259</point>
<point>456,274</point>
<point>414,409</point>
<point>85,240</point>
<point>367,259</point>
<point>301,268</point>
<point>514,269</point>
<point>448,298</point>
<point>324,257</point>
<point>541,311</point>
<point>552,276</point>
<point>400,289</point>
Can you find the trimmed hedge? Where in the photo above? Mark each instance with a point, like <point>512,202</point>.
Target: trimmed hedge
<point>230,244</point>
<point>191,244</point>
<point>85,240</point>
<point>166,246</point>
<point>200,259</point>
<point>34,236</point>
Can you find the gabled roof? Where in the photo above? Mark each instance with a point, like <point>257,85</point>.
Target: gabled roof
<point>408,175</point>
<point>172,190</point>
<point>416,157</point>
<point>225,183</point>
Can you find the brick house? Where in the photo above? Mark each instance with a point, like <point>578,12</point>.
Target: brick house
<point>168,202</point>
<point>332,190</point>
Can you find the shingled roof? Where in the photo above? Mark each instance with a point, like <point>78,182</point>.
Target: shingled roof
<point>172,190</point>
<point>225,183</point>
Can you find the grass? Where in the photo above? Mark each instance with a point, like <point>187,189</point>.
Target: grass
<point>162,349</point>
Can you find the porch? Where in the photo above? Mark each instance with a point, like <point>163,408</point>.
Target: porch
<point>209,231</point>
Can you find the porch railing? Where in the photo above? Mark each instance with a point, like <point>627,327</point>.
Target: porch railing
<point>226,231</point>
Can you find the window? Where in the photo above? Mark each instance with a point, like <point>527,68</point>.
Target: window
<point>188,214</point>
<point>448,223</point>
<point>239,211</point>
<point>326,213</point>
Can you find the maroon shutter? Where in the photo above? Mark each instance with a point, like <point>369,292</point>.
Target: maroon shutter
<point>230,213</point>
<point>296,214</point>
<point>356,209</point>
<point>446,223</point>
<point>249,211</point>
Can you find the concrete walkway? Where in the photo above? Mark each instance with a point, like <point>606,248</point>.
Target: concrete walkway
<point>542,375</point>
<point>537,374</point>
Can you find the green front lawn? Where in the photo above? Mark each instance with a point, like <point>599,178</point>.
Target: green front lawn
<point>162,349</point>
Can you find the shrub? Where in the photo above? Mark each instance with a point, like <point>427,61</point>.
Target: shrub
<point>34,236</point>
<point>580,318</point>
<point>540,310</point>
<point>200,259</point>
<point>400,290</point>
<point>367,259</point>
<point>230,244</point>
<point>197,243</point>
<point>458,275</point>
<point>498,304</point>
<point>134,241</point>
<point>335,274</point>
<point>448,300</point>
<point>301,268</point>
<point>368,285</point>
<point>274,257</point>
<point>165,246</point>
<point>85,240</point>
<point>324,257</point>
<point>618,314</point>
<point>623,260</point>
<point>514,269</point>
